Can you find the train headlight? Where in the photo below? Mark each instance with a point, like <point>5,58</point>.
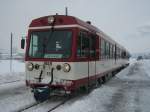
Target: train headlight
<point>30,66</point>
<point>66,67</point>
<point>51,19</point>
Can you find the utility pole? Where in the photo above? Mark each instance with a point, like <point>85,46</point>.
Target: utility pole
<point>11,40</point>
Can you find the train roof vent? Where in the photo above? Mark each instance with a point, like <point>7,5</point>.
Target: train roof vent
<point>89,22</point>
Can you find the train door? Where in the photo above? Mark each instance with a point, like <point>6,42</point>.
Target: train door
<point>86,55</point>
<point>92,59</point>
<point>83,46</point>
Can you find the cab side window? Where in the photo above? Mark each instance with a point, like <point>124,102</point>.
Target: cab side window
<point>83,45</point>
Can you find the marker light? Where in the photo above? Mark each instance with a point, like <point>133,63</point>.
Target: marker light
<point>30,66</point>
<point>66,67</point>
<point>36,66</point>
<point>58,67</point>
<point>51,19</point>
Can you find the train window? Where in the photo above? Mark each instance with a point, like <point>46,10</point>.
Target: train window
<point>107,50</point>
<point>48,44</point>
<point>123,54</point>
<point>34,42</point>
<point>110,51</point>
<point>118,53</point>
<point>102,49</point>
<point>83,45</point>
<point>115,51</point>
<point>93,46</point>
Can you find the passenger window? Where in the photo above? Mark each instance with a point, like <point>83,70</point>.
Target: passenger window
<point>110,51</point>
<point>118,53</point>
<point>102,49</point>
<point>93,46</point>
<point>107,50</point>
<point>115,52</point>
<point>83,45</point>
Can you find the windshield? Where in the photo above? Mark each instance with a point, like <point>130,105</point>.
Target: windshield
<point>50,44</point>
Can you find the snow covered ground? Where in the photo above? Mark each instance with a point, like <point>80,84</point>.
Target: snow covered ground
<point>17,66</point>
<point>14,95</point>
<point>128,91</point>
<point>147,66</point>
<point>11,70</point>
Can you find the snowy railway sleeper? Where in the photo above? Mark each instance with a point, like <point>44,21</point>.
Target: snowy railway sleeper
<point>65,54</point>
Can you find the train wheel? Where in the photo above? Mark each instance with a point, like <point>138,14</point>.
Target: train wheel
<point>83,89</point>
<point>100,81</point>
<point>109,76</point>
<point>106,78</point>
<point>103,79</point>
<point>113,73</point>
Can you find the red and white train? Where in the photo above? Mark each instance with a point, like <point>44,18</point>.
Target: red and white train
<point>66,53</point>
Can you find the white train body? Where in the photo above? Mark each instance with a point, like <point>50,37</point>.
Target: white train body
<point>80,67</point>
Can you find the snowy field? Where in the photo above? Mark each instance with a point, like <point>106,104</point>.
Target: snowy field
<point>14,95</point>
<point>11,70</point>
<point>128,91</point>
<point>17,66</point>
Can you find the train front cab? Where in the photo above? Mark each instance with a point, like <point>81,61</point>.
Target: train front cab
<point>49,58</point>
<point>84,51</point>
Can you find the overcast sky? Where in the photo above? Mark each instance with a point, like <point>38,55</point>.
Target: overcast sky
<point>126,21</point>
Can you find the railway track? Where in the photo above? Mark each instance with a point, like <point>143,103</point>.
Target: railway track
<point>28,107</point>
<point>63,102</point>
<point>46,106</point>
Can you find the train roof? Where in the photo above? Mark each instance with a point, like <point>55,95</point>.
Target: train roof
<point>74,21</point>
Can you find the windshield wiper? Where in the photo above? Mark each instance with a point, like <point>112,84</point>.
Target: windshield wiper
<point>45,44</point>
<point>50,35</point>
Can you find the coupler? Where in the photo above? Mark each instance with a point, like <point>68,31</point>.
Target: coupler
<point>41,93</point>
